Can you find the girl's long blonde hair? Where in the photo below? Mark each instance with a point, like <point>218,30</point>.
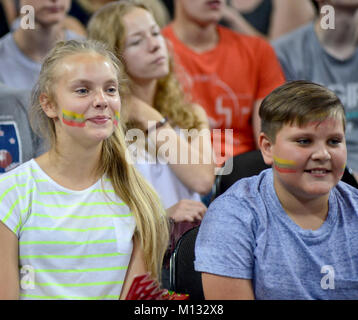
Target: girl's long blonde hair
<point>107,25</point>
<point>129,185</point>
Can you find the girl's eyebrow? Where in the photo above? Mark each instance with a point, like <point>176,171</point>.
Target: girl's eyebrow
<point>138,33</point>
<point>88,82</point>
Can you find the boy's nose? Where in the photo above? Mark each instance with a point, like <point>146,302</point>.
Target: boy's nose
<point>321,153</point>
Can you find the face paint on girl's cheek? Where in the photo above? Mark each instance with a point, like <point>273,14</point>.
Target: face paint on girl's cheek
<point>283,165</point>
<point>116,118</point>
<point>73,119</point>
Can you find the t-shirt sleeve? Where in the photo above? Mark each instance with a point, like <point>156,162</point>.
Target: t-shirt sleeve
<point>270,72</point>
<point>10,201</point>
<point>226,239</point>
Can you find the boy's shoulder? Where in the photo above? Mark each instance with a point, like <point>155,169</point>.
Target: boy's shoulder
<point>346,192</point>
<point>246,193</point>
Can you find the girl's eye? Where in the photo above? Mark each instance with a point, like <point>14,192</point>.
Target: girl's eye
<point>112,90</point>
<point>82,91</point>
<point>135,42</point>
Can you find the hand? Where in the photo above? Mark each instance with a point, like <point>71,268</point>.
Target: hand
<point>187,210</point>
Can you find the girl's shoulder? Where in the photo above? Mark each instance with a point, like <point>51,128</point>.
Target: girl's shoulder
<point>20,173</point>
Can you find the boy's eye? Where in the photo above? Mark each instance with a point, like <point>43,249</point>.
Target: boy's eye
<point>303,141</point>
<point>334,141</point>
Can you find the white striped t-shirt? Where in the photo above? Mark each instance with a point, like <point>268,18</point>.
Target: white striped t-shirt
<point>72,244</point>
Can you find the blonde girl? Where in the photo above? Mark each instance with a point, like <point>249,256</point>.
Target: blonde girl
<point>79,218</point>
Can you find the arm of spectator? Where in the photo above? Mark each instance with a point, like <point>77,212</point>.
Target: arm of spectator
<point>288,15</point>
<point>238,23</point>
<point>197,173</point>
<point>136,267</point>
<point>9,270</point>
<point>225,288</point>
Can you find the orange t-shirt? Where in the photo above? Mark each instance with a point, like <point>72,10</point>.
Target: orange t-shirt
<point>226,81</point>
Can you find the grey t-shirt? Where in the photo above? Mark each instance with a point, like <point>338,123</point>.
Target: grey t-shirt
<point>303,58</point>
<point>16,69</point>
<point>247,234</point>
<point>18,144</point>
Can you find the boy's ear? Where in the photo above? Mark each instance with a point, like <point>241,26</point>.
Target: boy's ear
<point>265,145</point>
<point>48,106</point>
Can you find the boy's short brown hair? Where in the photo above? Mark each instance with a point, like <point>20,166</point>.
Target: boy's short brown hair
<point>298,102</point>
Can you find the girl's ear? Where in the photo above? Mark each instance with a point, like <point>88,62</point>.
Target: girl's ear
<point>48,106</point>
<point>266,145</point>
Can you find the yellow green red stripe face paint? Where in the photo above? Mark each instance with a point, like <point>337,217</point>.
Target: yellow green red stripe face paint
<point>116,118</point>
<point>284,165</point>
<point>73,119</point>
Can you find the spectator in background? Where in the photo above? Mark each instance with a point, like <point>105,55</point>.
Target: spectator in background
<point>227,73</point>
<point>17,141</point>
<point>268,18</point>
<point>328,56</point>
<point>22,51</point>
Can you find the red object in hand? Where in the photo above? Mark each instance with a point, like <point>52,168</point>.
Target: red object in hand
<point>145,288</point>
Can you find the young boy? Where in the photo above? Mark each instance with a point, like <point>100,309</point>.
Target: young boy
<point>290,232</point>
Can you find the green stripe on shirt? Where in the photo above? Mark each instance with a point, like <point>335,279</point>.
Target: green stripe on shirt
<point>88,284</point>
<point>67,229</point>
<point>68,242</point>
<point>79,270</point>
<point>82,217</point>
<point>53,256</point>
<point>61,297</point>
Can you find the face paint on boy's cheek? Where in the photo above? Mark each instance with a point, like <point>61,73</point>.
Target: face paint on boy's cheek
<point>343,169</point>
<point>116,118</point>
<point>283,165</point>
<point>73,119</point>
